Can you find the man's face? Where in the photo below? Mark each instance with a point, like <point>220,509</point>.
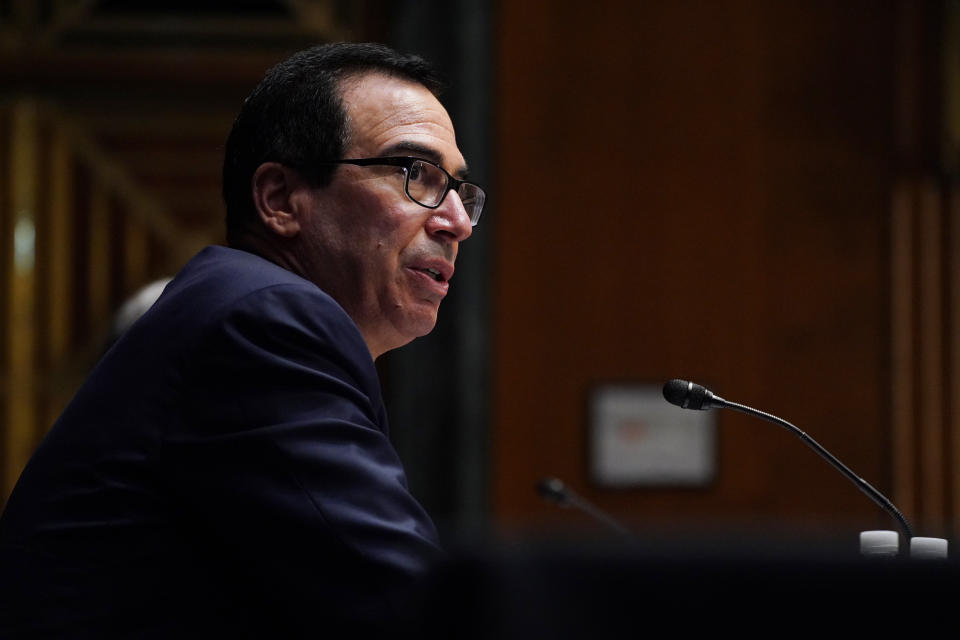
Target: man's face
<point>370,246</point>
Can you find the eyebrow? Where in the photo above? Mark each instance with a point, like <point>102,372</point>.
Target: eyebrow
<point>407,147</point>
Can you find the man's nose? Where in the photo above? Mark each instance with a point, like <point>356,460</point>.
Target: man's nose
<point>450,219</point>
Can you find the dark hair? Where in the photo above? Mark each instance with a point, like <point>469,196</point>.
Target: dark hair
<point>296,116</point>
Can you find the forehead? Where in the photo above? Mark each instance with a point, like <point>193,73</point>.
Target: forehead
<point>394,116</point>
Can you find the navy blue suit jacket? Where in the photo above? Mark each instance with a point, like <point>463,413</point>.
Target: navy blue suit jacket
<point>225,469</point>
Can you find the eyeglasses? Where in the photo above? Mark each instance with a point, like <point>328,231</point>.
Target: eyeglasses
<point>427,183</point>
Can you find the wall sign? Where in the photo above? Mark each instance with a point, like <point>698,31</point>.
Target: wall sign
<point>638,438</point>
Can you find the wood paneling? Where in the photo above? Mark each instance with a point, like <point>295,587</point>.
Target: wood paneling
<point>20,305</point>
<point>78,233</point>
<point>698,190</point>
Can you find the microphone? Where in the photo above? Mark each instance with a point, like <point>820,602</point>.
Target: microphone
<point>553,490</point>
<point>688,395</point>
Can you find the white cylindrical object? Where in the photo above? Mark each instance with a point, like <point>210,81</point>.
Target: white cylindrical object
<point>928,548</point>
<point>879,543</point>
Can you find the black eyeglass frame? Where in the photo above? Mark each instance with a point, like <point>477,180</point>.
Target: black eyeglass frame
<point>407,163</point>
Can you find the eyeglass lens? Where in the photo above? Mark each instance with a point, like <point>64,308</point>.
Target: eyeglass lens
<point>427,185</point>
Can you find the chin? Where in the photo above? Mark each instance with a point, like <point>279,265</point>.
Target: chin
<point>421,325</point>
<point>410,320</point>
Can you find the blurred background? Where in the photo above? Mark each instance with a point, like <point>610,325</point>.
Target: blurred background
<point>756,195</point>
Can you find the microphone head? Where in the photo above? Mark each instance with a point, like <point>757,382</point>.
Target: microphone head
<point>553,490</point>
<point>688,395</point>
<point>675,391</point>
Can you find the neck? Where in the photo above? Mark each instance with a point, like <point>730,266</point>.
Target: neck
<point>282,254</point>
<point>270,250</point>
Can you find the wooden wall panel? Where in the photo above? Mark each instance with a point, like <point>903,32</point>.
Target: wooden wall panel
<point>77,236</point>
<point>698,190</point>
<point>20,305</point>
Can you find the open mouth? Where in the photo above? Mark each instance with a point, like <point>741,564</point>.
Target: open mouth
<point>433,273</point>
<point>436,270</point>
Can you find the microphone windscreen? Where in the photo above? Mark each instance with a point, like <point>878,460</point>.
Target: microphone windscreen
<point>552,489</point>
<point>676,392</point>
<point>688,395</point>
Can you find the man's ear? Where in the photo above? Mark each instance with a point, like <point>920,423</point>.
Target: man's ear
<point>273,185</point>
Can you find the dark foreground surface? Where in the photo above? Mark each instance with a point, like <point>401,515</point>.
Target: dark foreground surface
<point>597,590</point>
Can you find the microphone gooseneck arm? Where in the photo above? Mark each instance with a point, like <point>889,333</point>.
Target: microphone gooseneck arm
<point>688,395</point>
<point>861,484</point>
<point>554,490</point>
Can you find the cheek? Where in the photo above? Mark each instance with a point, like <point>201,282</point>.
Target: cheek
<point>394,231</point>
<point>378,221</point>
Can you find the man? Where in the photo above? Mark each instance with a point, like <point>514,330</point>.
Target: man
<point>225,470</point>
